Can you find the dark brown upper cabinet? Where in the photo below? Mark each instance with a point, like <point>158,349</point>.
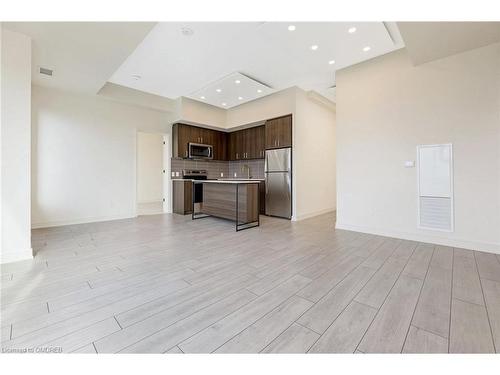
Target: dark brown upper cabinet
<point>183,134</point>
<point>247,144</point>
<point>220,145</point>
<point>243,144</point>
<point>279,132</point>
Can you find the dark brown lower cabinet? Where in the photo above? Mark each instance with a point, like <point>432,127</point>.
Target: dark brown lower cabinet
<point>182,197</point>
<point>262,197</point>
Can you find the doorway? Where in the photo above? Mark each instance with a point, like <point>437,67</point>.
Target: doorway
<point>152,172</point>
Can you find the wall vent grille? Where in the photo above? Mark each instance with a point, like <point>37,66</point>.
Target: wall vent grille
<point>435,213</point>
<point>45,71</point>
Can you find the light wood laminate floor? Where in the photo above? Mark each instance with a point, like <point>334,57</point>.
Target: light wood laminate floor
<point>166,284</point>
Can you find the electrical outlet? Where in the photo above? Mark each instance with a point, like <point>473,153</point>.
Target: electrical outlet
<point>235,175</point>
<point>173,174</point>
<point>176,174</point>
<point>222,174</point>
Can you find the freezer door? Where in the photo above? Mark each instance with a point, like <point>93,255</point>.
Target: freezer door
<point>278,195</point>
<point>278,160</point>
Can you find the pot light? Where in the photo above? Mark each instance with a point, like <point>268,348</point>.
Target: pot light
<point>237,81</point>
<point>367,48</point>
<point>291,28</point>
<point>259,91</point>
<point>240,98</point>
<point>331,62</point>
<point>218,90</point>
<point>351,30</point>
<point>202,97</point>
<point>224,104</point>
<point>314,47</point>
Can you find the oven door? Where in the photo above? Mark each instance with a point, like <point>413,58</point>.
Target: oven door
<point>200,151</point>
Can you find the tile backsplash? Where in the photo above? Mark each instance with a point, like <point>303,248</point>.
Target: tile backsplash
<point>215,168</point>
<point>256,168</point>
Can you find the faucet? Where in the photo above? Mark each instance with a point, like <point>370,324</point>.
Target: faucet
<point>248,170</point>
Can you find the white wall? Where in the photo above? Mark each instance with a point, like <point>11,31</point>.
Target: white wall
<point>84,156</point>
<point>314,157</point>
<point>15,146</point>
<point>275,105</point>
<point>149,167</point>
<point>385,108</point>
<point>192,111</point>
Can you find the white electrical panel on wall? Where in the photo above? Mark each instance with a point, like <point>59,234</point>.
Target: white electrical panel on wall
<point>435,187</point>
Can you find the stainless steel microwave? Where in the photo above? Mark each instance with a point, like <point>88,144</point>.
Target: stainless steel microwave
<point>200,151</point>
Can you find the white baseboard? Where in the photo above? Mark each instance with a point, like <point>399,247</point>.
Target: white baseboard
<point>420,237</point>
<point>312,214</point>
<point>48,224</point>
<point>150,202</point>
<point>16,256</point>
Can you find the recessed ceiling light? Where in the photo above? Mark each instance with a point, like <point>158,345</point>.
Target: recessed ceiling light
<point>224,104</point>
<point>351,30</point>
<point>237,81</point>
<point>331,62</point>
<point>367,48</point>
<point>136,77</point>
<point>240,98</point>
<point>291,28</point>
<point>202,97</point>
<point>218,90</point>
<point>259,91</point>
<point>314,47</point>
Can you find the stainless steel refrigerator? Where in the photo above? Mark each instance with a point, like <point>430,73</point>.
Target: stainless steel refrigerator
<point>278,168</point>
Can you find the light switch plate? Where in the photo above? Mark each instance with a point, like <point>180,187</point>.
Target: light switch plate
<point>409,164</point>
<point>173,174</point>
<point>176,174</point>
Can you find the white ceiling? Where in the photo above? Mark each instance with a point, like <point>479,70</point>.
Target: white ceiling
<point>230,91</point>
<point>172,64</point>
<point>83,55</point>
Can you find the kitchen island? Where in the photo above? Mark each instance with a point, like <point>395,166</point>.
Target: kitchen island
<point>236,200</point>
